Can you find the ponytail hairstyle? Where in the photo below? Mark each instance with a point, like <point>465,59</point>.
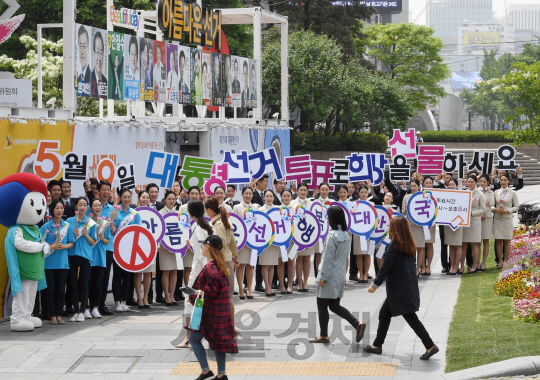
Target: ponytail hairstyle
<point>219,259</point>
<point>212,203</point>
<point>195,208</point>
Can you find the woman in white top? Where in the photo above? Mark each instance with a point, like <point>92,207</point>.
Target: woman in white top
<point>244,255</point>
<point>324,190</point>
<point>363,259</point>
<point>142,297</point>
<point>269,257</point>
<point>416,230</point>
<point>193,194</point>
<point>473,233</point>
<point>219,193</point>
<point>506,203</point>
<point>454,239</point>
<point>286,199</point>
<point>487,218</point>
<point>303,259</point>
<point>202,229</point>
<point>167,259</point>
<point>343,194</point>
<point>427,183</point>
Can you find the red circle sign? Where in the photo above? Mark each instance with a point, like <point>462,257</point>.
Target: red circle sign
<point>134,248</point>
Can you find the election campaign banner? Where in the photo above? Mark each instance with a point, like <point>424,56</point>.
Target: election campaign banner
<point>454,207</point>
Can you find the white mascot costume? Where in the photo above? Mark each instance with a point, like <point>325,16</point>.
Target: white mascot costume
<point>24,201</point>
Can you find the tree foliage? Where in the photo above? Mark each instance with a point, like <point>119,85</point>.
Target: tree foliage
<point>411,55</point>
<point>332,92</point>
<point>498,105</point>
<point>524,83</point>
<point>340,20</point>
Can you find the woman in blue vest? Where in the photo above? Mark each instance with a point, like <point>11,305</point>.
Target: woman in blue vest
<point>126,217</point>
<point>99,254</point>
<point>57,263</point>
<point>80,257</point>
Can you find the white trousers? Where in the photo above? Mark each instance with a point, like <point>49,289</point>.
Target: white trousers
<point>23,303</point>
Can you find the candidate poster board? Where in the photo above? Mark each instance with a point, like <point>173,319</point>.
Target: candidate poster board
<point>171,83</point>
<point>159,71</point>
<point>116,66</point>
<point>83,52</point>
<point>196,80</point>
<point>132,72</point>
<point>184,75</point>
<point>98,76</point>
<point>206,78</point>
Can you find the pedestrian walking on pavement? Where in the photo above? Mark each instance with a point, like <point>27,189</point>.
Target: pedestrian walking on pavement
<point>330,279</point>
<point>402,294</point>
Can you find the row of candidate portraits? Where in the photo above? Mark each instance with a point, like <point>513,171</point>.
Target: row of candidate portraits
<point>125,67</point>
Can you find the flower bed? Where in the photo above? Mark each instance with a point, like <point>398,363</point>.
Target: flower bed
<point>520,278</point>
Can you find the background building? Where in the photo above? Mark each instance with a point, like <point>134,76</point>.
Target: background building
<point>447,16</point>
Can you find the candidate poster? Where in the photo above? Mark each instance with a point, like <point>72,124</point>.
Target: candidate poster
<point>253,83</point>
<point>100,51</point>
<point>184,69</point>
<point>116,66</point>
<point>146,53</point>
<point>196,80</point>
<point>245,83</point>
<point>236,81</point>
<point>226,80</point>
<point>132,70</point>
<point>206,78</point>
<point>159,75</point>
<point>171,84</point>
<point>217,99</point>
<point>83,50</point>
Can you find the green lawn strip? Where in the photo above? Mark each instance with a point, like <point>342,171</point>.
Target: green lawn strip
<point>483,330</point>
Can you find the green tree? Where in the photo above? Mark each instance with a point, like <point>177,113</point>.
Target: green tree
<point>337,20</point>
<point>27,68</point>
<point>332,94</point>
<point>497,105</point>
<point>411,55</point>
<point>524,83</point>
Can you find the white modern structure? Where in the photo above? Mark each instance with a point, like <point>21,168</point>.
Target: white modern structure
<point>525,16</point>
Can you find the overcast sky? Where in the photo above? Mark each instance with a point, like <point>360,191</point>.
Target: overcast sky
<point>416,6</point>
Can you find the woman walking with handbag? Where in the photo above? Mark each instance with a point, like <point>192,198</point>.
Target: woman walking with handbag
<point>402,294</point>
<point>216,325</point>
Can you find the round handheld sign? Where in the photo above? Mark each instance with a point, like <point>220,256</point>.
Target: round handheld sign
<point>422,209</point>
<point>153,221</point>
<point>347,215</point>
<point>320,210</point>
<point>386,239</point>
<point>260,234</point>
<point>282,220</point>
<point>363,220</point>
<point>306,231</point>
<point>177,232</point>
<point>134,248</point>
<point>239,229</point>
<point>381,230</point>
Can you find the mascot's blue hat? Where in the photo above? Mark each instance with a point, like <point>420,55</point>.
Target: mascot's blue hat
<point>13,189</point>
